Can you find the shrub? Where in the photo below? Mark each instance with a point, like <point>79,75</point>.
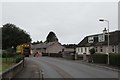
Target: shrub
<point>92,51</point>
<point>80,57</point>
<point>100,58</point>
<point>55,55</point>
<point>8,53</point>
<point>114,59</point>
<point>44,54</point>
<point>4,54</point>
<point>19,58</point>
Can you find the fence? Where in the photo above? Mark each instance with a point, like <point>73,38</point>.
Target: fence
<point>11,72</point>
<point>10,63</point>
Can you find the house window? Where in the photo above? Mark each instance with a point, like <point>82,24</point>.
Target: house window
<point>89,48</point>
<point>101,49</point>
<point>78,49</point>
<point>113,49</point>
<point>96,49</point>
<point>90,39</point>
<point>85,49</point>
<point>101,38</point>
<point>81,49</point>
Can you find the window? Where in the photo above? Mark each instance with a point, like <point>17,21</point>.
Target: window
<point>85,49</point>
<point>101,38</point>
<point>113,49</point>
<point>96,49</point>
<point>101,49</point>
<point>81,49</point>
<point>90,39</point>
<point>88,48</point>
<point>78,49</point>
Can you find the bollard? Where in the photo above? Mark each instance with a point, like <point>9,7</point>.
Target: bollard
<point>42,73</point>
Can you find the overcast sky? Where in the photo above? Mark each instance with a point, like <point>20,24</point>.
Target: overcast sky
<point>71,21</point>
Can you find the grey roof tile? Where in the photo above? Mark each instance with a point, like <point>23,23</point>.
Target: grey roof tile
<point>114,40</point>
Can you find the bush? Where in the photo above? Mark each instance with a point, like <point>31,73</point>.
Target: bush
<point>4,54</point>
<point>114,59</point>
<point>8,53</point>
<point>44,54</point>
<point>92,51</point>
<point>100,58</point>
<point>19,58</point>
<point>80,57</point>
<point>55,55</point>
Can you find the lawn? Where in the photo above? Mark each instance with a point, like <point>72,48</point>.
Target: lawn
<point>6,63</point>
<point>6,66</point>
<point>8,59</point>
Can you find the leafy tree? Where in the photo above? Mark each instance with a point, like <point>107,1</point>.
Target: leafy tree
<point>38,42</point>
<point>51,37</point>
<point>13,36</point>
<point>92,51</point>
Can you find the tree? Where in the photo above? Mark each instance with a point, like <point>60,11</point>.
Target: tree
<point>92,51</point>
<point>13,36</point>
<point>38,42</point>
<point>51,37</point>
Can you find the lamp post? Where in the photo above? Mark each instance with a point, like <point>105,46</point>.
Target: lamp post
<point>108,36</point>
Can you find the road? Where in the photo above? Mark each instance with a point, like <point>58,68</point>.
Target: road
<point>61,68</point>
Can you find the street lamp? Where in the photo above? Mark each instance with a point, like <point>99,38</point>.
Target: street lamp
<point>108,36</point>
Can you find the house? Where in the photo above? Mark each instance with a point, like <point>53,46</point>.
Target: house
<point>100,43</point>
<point>69,50</point>
<point>69,47</point>
<point>51,47</point>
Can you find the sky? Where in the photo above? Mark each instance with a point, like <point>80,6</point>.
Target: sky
<point>71,21</point>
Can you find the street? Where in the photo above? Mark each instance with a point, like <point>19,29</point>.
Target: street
<point>61,68</point>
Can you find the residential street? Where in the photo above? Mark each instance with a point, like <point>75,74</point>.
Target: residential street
<point>61,68</point>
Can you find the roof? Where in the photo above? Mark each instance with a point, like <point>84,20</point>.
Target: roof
<point>114,40</point>
<point>43,45</point>
<point>70,45</point>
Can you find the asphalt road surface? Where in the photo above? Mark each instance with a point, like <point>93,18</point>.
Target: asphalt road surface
<point>61,68</point>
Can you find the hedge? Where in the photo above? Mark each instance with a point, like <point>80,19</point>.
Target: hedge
<point>80,57</point>
<point>55,55</point>
<point>8,54</point>
<point>100,58</point>
<point>12,55</point>
<point>44,54</point>
<point>19,58</point>
<point>114,59</point>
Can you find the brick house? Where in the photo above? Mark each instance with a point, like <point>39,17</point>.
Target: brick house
<point>100,43</point>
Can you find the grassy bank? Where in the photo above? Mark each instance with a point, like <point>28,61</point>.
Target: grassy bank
<point>6,66</point>
<point>8,62</point>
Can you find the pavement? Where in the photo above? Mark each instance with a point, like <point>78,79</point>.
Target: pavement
<point>30,70</point>
<point>106,66</point>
